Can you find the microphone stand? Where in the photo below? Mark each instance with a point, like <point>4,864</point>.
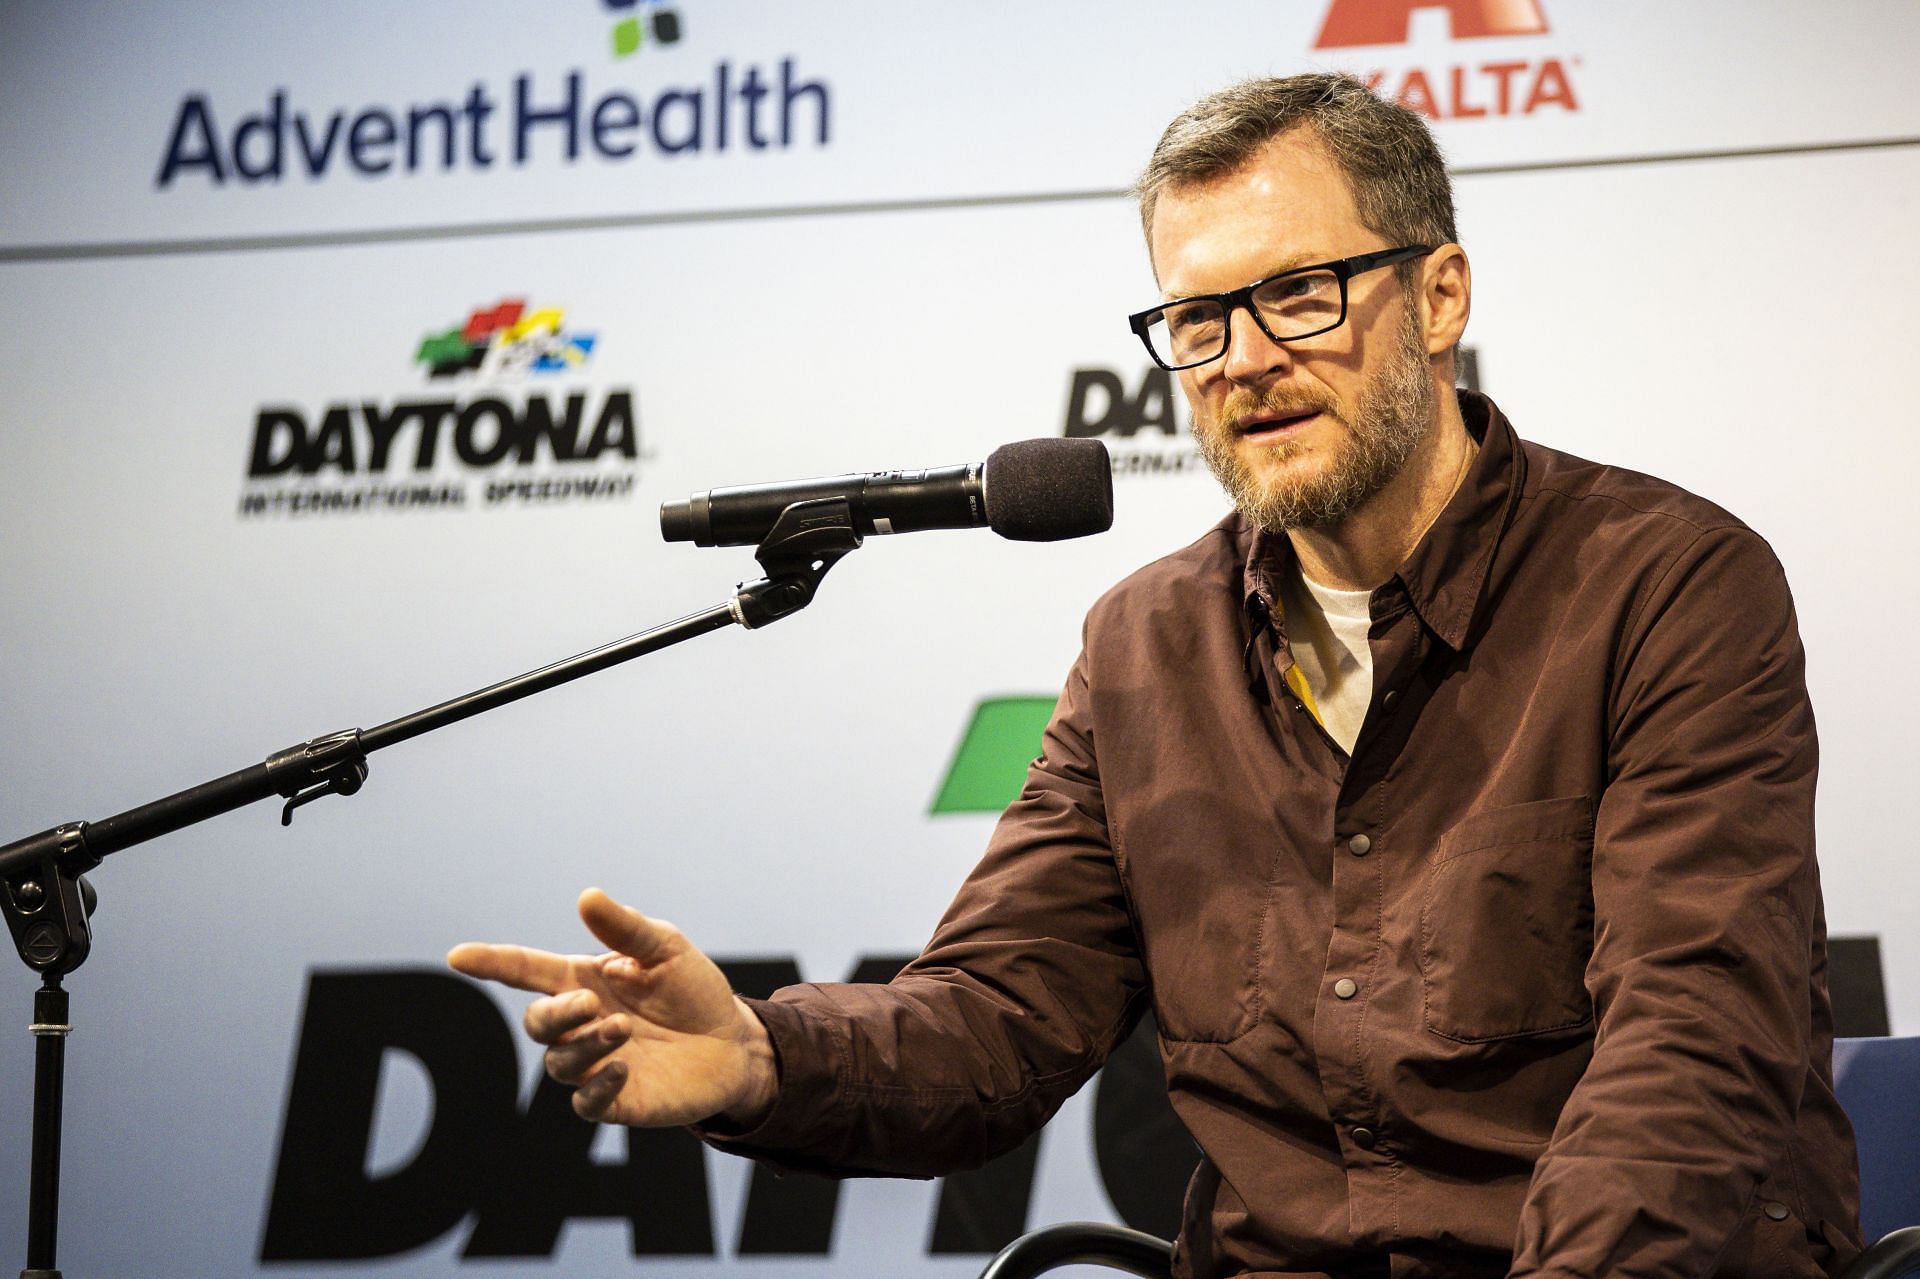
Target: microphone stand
<point>47,900</point>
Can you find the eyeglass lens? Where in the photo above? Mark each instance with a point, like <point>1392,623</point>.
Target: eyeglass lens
<point>1290,306</point>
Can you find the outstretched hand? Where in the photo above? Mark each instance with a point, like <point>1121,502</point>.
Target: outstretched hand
<point>649,1034</point>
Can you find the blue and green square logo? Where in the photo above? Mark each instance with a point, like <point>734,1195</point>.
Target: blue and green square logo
<point>644,22</point>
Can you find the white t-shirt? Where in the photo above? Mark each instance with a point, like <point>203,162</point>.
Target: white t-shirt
<point>1327,631</point>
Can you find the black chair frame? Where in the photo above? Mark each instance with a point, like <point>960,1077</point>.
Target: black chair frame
<point>1137,1253</point>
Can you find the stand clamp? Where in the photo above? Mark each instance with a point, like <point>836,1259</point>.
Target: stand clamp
<point>331,765</point>
<point>806,542</point>
<point>47,902</point>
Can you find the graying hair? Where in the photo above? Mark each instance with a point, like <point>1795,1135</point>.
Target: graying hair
<point>1392,163</point>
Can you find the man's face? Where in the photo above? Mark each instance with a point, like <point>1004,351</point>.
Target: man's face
<point>1301,434</point>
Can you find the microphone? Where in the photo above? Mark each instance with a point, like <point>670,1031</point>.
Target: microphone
<point>1033,491</point>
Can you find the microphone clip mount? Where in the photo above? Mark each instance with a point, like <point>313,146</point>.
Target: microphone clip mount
<point>332,765</point>
<point>803,545</point>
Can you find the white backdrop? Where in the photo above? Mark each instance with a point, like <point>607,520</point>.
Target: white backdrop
<point>1737,321</point>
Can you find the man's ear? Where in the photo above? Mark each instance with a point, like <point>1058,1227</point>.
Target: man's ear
<point>1446,297</point>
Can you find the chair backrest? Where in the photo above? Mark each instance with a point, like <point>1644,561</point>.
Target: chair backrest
<point>1075,1243</point>
<point>1878,1081</point>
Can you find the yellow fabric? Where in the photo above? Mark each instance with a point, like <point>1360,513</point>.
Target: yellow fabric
<point>1297,681</point>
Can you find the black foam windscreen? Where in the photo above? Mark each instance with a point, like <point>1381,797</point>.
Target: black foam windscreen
<point>1046,490</point>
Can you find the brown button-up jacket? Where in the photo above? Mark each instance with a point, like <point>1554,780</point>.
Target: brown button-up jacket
<point>1532,984</point>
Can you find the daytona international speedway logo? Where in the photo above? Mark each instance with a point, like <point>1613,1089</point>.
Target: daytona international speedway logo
<point>510,417</point>
<point>506,341</point>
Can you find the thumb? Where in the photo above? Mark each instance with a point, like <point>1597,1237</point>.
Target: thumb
<point>622,928</point>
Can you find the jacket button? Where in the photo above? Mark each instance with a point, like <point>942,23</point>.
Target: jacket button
<point>1359,845</point>
<point>1363,1138</point>
<point>1392,695</point>
<point>1346,988</point>
<point>1776,1210</point>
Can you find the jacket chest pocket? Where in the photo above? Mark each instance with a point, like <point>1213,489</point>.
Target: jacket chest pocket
<point>1506,923</point>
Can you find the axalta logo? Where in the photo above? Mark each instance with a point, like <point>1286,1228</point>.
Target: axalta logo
<point>654,22</point>
<point>1461,89</point>
<point>1352,22</point>
<point>498,445</point>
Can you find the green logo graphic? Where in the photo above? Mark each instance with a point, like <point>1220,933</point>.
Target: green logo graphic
<point>991,764</point>
<point>655,21</point>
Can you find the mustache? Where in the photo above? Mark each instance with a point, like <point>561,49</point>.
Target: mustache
<point>1243,403</point>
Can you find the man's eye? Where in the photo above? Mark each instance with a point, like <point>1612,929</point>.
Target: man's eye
<point>1294,287</point>
<point>1189,320</point>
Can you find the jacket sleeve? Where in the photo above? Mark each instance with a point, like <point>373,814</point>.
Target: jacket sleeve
<point>1028,983</point>
<point>1705,900</point>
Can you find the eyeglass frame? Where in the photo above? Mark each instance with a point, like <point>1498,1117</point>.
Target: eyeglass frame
<point>1241,298</point>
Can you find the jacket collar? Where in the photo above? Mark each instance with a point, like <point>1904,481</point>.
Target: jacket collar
<point>1445,575</point>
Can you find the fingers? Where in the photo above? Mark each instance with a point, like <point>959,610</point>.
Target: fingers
<point>550,1020</point>
<point>626,930</point>
<point>521,967</point>
<point>597,1098</point>
<point>622,928</point>
<point>592,1006</point>
<point>570,1060</point>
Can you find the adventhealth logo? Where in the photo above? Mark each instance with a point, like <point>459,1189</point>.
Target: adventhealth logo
<point>533,119</point>
<point>657,23</point>
<point>506,341</point>
<point>1463,90</point>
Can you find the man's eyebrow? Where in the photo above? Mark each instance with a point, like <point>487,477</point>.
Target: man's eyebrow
<point>1292,262</point>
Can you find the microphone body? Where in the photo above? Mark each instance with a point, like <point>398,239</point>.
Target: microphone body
<point>882,502</point>
<point>1034,491</point>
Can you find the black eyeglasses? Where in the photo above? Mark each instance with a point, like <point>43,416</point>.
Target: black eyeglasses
<point>1300,303</point>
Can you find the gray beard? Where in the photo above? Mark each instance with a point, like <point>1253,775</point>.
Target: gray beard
<point>1394,412</point>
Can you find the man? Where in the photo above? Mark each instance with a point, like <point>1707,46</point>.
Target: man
<point>1450,804</point>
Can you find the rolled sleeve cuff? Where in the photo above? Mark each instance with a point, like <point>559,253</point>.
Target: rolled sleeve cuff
<point>810,1063</point>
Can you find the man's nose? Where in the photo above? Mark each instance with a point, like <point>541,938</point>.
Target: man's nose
<point>1251,356</point>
